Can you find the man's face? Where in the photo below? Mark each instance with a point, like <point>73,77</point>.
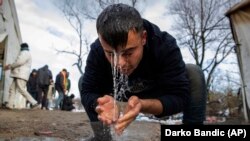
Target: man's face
<point>127,58</point>
<point>34,73</point>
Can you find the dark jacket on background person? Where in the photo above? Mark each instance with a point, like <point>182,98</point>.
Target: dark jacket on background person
<point>44,76</point>
<point>161,74</point>
<point>32,85</point>
<point>59,84</point>
<point>43,80</point>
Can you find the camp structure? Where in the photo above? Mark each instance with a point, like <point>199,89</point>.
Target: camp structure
<point>10,39</point>
<point>239,17</point>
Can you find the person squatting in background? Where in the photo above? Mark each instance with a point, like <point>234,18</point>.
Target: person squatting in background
<point>68,102</point>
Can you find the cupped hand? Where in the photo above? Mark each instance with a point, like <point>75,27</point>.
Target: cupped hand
<point>107,110</point>
<point>132,110</point>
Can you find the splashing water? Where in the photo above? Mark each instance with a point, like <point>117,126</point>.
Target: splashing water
<point>120,86</point>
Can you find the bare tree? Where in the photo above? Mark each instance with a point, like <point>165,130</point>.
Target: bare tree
<point>222,81</point>
<point>76,13</point>
<point>203,28</point>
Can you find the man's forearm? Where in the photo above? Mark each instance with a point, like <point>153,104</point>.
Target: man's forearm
<point>151,106</point>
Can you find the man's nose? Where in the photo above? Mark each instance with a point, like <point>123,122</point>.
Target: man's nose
<point>122,61</point>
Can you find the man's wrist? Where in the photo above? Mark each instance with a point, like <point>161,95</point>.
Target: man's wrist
<point>142,102</point>
<point>151,106</point>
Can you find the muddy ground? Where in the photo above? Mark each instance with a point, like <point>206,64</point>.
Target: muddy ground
<point>62,125</point>
<point>57,125</point>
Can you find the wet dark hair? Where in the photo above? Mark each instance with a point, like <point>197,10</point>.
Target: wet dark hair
<point>115,21</point>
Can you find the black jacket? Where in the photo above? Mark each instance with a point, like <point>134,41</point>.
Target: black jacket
<point>68,103</point>
<point>32,86</point>
<point>44,76</point>
<point>161,74</point>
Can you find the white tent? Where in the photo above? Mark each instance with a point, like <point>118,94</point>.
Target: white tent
<point>239,17</point>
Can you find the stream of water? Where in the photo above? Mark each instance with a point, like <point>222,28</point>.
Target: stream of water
<point>120,85</point>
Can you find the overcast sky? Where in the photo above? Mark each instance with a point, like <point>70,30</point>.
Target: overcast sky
<point>44,28</point>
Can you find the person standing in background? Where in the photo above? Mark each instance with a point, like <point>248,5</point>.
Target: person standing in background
<point>61,87</point>
<point>44,79</point>
<point>20,71</point>
<point>32,85</point>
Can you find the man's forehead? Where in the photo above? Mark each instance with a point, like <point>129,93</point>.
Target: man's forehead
<point>119,49</point>
<point>131,43</point>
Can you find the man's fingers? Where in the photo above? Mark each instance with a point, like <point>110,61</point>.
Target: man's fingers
<point>132,110</point>
<point>131,115</point>
<point>119,127</point>
<point>120,131</point>
<point>103,100</point>
<point>133,101</point>
<point>104,120</point>
<point>98,109</point>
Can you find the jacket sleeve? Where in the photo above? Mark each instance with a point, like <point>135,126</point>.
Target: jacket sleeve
<point>90,84</point>
<point>172,79</point>
<point>21,59</point>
